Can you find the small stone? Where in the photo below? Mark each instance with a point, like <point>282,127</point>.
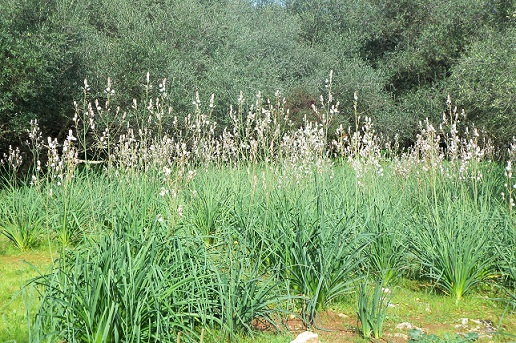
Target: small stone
<point>404,325</point>
<point>342,315</point>
<point>464,321</point>
<point>306,337</point>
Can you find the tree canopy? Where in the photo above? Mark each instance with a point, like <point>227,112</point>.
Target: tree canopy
<point>403,58</point>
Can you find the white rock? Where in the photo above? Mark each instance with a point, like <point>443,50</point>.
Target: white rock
<point>306,337</point>
<point>404,325</point>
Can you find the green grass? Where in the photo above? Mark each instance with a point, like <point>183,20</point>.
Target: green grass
<point>244,251</point>
<point>16,301</point>
<point>440,314</point>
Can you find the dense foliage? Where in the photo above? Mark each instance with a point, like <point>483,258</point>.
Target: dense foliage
<point>402,57</point>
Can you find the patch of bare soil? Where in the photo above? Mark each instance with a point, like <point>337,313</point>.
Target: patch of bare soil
<point>335,327</point>
<point>331,326</point>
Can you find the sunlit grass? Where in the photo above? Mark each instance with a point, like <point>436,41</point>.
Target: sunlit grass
<point>17,300</point>
<point>441,314</point>
<point>261,219</point>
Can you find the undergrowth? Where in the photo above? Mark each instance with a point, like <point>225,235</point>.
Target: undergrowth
<point>197,229</point>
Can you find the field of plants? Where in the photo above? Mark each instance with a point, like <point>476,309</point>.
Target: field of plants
<point>146,227</point>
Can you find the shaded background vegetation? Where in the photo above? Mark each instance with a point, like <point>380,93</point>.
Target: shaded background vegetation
<point>402,57</point>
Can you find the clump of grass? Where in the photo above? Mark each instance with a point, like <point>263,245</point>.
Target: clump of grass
<point>372,309</point>
<point>386,254</point>
<point>208,210</point>
<point>22,217</point>
<point>120,288</point>
<point>245,294</point>
<point>455,247</point>
<point>322,258</point>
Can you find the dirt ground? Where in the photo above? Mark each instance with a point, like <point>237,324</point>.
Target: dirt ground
<point>337,327</point>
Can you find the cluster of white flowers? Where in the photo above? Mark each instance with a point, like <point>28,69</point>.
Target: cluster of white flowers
<point>510,186</point>
<point>139,141</point>
<point>462,151</point>
<point>12,160</point>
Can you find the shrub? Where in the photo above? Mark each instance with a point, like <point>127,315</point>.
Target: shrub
<point>488,97</point>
